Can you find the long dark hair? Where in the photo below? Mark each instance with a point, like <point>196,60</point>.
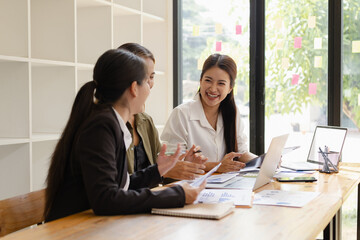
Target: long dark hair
<point>114,72</point>
<point>138,50</point>
<point>227,106</point>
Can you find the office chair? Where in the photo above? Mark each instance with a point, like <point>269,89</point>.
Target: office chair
<point>21,211</point>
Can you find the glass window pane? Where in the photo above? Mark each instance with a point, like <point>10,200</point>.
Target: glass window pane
<point>296,72</point>
<point>351,104</point>
<point>214,26</point>
<point>351,78</point>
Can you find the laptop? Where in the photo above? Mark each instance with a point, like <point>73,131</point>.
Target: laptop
<point>331,140</point>
<point>267,169</point>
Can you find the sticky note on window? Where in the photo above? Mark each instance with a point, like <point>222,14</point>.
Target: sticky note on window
<point>297,42</point>
<point>279,96</point>
<point>285,63</point>
<point>279,44</point>
<point>235,90</point>
<point>218,28</point>
<point>200,64</point>
<point>196,30</point>
<point>356,47</point>
<point>358,99</point>
<point>238,29</point>
<point>218,46</point>
<point>347,93</point>
<point>278,23</point>
<point>295,79</point>
<point>318,61</point>
<point>317,43</point>
<point>311,21</point>
<point>312,88</point>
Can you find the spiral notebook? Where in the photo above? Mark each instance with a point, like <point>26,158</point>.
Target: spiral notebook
<point>201,210</point>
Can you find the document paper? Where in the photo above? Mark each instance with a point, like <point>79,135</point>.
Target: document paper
<point>238,197</point>
<point>197,182</point>
<point>284,198</point>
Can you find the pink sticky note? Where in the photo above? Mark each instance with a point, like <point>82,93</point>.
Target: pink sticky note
<point>218,46</point>
<point>238,29</point>
<point>312,88</point>
<point>295,79</point>
<point>297,42</point>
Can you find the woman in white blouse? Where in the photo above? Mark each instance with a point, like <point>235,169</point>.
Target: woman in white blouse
<point>212,119</point>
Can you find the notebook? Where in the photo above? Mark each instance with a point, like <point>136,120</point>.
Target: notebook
<point>267,169</point>
<point>201,210</point>
<point>329,137</point>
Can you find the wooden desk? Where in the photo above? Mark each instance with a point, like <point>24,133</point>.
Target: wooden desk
<point>258,222</point>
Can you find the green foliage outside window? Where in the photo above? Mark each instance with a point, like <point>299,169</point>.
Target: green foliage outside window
<point>293,15</point>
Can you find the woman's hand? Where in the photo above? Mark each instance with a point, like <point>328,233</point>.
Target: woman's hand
<point>184,170</point>
<point>164,162</point>
<point>229,165</point>
<point>194,155</point>
<point>191,193</point>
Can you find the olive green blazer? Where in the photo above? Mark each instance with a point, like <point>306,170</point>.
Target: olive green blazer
<point>150,137</point>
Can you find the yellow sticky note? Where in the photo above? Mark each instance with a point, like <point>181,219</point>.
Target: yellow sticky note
<point>196,30</point>
<point>318,61</point>
<point>285,63</point>
<point>279,44</point>
<point>278,23</point>
<point>356,47</point>
<point>200,64</point>
<point>311,21</point>
<point>218,28</point>
<point>358,99</point>
<point>317,43</point>
<point>235,90</point>
<point>279,96</point>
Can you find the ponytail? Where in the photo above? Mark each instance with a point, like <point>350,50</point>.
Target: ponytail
<point>82,108</point>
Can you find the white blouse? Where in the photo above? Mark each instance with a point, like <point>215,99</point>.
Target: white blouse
<point>188,124</point>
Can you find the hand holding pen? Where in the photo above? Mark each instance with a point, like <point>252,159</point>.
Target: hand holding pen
<point>194,155</point>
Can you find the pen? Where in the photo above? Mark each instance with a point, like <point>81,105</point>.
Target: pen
<point>198,151</point>
<point>326,149</point>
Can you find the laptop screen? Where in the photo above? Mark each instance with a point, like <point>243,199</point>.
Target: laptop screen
<point>330,140</point>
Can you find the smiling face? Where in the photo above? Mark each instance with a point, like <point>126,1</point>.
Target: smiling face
<point>214,87</point>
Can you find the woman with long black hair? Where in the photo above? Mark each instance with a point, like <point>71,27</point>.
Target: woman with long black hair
<point>88,168</point>
<point>212,119</point>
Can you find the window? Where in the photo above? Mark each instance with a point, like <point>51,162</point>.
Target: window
<point>351,104</point>
<point>295,70</point>
<point>214,26</point>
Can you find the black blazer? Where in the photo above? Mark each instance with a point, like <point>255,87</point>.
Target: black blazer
<point>96,174</point>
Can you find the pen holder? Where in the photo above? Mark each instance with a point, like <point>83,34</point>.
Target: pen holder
<point>333,157</point>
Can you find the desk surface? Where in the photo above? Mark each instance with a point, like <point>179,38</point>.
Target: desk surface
<point>258,222</point>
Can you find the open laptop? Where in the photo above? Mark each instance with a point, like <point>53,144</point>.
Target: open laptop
<point>267,169</point>
<point>325,137</point>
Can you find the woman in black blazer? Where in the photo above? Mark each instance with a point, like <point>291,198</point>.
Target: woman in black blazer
<point>88,167</point>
